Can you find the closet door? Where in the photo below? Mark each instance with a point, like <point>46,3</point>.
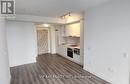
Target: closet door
<point>42,37</point>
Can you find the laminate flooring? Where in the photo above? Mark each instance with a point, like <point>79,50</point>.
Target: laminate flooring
<point>52,69</point>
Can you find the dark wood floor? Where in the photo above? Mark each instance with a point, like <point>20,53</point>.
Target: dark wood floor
<point>52,69</point>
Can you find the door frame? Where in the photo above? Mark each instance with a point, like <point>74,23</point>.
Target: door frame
<point>49,40</point>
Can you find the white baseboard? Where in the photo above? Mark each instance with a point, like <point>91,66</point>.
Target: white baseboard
<point>27,62</point>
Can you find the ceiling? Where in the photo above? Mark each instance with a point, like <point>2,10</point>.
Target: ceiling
<point>53,8</point>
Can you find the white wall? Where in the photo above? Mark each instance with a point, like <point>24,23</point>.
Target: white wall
<point>22,42</point>
<point>53,39</point>
<point>4,65</point>
<point>107,41</point>
<point>82,41</point>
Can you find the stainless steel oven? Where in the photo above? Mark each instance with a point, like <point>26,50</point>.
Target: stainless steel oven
<point>77,51</point>
<point>70,52</point>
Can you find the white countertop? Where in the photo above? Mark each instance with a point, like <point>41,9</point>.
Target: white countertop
<point>69,46</point>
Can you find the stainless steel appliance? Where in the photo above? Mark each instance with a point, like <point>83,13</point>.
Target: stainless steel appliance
<point>77,51</point>
<point>70,52</point>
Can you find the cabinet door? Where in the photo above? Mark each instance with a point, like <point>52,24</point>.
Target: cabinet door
<point>62,50</point>
<point>72,29</point>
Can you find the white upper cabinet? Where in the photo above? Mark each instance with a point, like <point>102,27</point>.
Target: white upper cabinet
<point>72,30</point>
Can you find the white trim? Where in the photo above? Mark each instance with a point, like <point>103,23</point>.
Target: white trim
<point>49,40</point>
<point>27,62</point>
<point>82,40</point>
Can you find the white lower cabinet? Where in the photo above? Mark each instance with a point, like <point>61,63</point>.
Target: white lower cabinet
<point>62,50</point>
<point>77,59</point>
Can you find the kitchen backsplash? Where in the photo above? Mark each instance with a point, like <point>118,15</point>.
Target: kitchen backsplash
<point>72,40</point>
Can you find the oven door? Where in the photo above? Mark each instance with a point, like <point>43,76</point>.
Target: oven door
<point>70,52</point>
<point>77,51</point>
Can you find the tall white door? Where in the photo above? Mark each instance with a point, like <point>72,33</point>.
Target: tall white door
<point>42,38</point>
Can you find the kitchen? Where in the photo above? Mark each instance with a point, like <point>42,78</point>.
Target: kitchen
<point>98,41</point>
<point>69,42</point>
